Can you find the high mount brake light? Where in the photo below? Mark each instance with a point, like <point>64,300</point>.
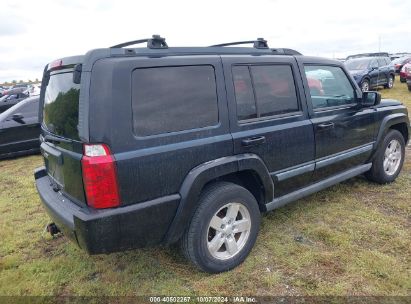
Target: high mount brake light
<point>100,177</point>
<point>56,64</point>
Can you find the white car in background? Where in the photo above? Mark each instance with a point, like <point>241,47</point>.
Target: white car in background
<point>34,89</point>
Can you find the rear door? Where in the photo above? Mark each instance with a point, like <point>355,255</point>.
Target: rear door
<point>269,118</point>
<point>344,132</point>
<point>374,72</point>
<point>383,69</point>
<point>60,144</point>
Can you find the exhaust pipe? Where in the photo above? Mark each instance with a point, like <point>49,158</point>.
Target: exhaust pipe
<point>52,229</point>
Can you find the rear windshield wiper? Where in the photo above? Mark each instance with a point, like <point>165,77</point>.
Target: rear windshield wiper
<point>51,138</point>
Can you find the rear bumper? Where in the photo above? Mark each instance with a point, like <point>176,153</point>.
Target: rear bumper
<point>107,230</point>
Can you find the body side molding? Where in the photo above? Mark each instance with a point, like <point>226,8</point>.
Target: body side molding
<point>281,201</point>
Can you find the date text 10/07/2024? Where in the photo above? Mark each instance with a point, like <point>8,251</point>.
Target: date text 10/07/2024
<point>200,299</point>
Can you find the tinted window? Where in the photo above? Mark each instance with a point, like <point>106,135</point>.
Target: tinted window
<point>169,99</point>
<point>30,109</point>
<point>60,113</point>
<point>381,62</point>
<point>246,107</point>
<point>357,64</point>
<point>274,91</point>
<point>329,86</point>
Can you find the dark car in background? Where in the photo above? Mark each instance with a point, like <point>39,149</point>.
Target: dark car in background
<point>20,129</point>
<point>8,101</point>
<point>371,72</point>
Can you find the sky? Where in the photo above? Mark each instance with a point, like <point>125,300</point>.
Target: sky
<point>33,33</point>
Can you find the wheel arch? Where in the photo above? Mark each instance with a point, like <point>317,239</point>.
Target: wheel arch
<point>397,121</point>
<point>247,170</point>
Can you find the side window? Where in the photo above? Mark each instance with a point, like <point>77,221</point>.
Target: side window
<point>246,107</point>
<point>31,109</point>
<point>264,90</point>
<point>329,86</point>
<point>170,99</point>
<point>381,62</point>
<point>28,110</point>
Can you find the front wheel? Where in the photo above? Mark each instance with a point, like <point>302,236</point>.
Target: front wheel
<point>223,229</point>
<point>389,159</point>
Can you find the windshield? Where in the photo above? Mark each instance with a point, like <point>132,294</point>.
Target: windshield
<point>357,64</point>
<point>60,112</point>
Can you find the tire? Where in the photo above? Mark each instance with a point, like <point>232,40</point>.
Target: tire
<point>365,85</point>
<point>214,204</point>
<point>390,83</point>
<point>409,88</point>
<point>394,159</point>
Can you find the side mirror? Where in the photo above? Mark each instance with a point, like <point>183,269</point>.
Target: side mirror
<point>370,99</point>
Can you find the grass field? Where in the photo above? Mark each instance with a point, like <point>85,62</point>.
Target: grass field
<point>352,239</point>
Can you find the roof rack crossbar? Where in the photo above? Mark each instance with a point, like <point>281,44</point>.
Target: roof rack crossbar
<point>260,43</point>
<point>156,42</point>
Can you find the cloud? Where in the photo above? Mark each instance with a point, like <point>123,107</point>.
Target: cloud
<point>34,33</point>
<point>10,26</point>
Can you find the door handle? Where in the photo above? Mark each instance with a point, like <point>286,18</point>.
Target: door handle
<point>253,141</point>
<point>326,125</point>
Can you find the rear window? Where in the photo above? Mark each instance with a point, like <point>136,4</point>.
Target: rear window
<point>61,100</point>
<point>170,99</point>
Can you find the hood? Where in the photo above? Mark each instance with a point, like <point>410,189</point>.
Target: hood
<point>389,103</point>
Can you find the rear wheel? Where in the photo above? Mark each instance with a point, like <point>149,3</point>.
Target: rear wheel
<point>390,82</point>
<point>389,159</point>
<point>223,229</point>
<point>365,85</point>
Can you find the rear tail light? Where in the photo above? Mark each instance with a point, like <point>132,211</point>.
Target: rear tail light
<point>100,177</point>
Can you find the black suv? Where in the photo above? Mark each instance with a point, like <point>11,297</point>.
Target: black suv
<point>158,145</point>
<point>371,72</point>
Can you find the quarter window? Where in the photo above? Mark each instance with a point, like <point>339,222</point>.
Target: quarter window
<point>170,99</point>
<point>264,90</point>
<point>329,86</point>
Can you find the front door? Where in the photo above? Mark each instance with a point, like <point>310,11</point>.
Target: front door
<point>20,130</point>
<point>268,117</point>
<point>344,132</point>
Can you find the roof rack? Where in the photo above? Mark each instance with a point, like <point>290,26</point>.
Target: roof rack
<point>260,43</point>
<point>156,42</point>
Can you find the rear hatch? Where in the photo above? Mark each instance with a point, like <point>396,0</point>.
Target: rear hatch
<point>61,146</point>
